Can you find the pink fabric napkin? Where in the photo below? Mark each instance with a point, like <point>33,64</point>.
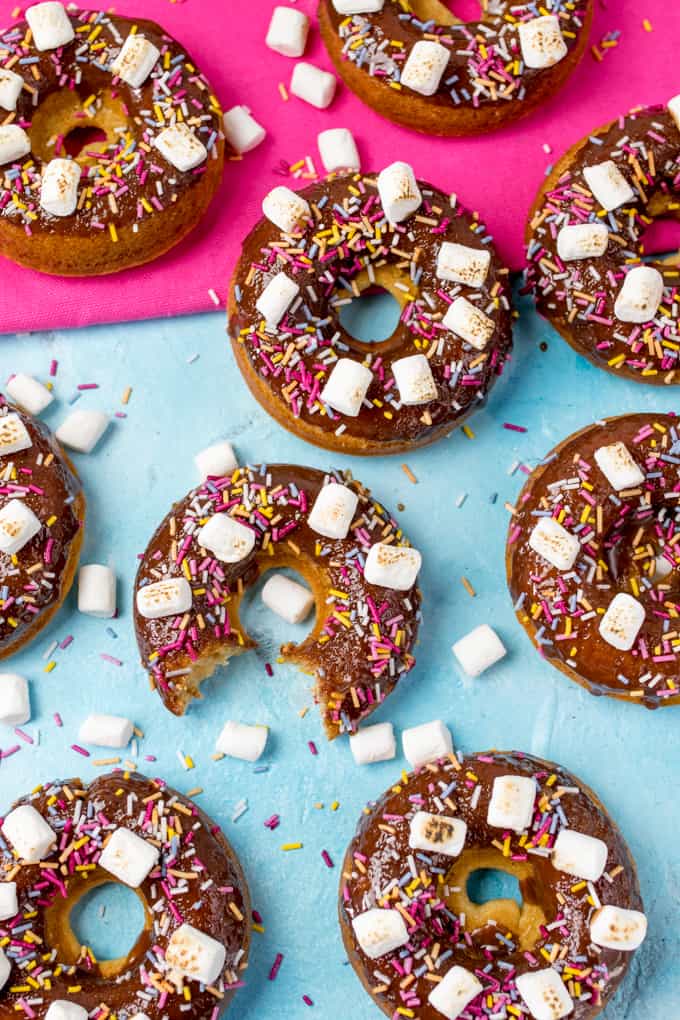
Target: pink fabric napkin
<point>498,175</point>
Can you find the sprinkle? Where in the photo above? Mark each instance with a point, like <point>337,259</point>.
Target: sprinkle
<point>409,474</point>
<point>468,587</point>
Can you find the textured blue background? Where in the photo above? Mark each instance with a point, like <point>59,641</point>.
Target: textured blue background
<point>630,756</point>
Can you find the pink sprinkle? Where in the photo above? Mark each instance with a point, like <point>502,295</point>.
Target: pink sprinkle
<point>24,736</point>
<point>513,428</point>
<point>54,365</point>
<point>327,859</point>
<point>312,747</point>
<point>89,386</point>
<point>268,669</point>
<point>80,750</point>
<point>307,1001</point>
<point>66,642</point>
<point>110,658</point>
<point>57,719</point>
<point>276,967</point>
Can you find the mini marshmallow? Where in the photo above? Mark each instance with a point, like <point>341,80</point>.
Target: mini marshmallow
<point>11,85</point>
<point>313,85</point>
<point>288,31</point>
<point>216,461</point>
<point>455,992</point>
<point>640,296</point>
<point>347,386</point>
<point>425,67</point>
<point>9,903</point>
<point>392,566</point>
<point>97,591</point>
<point>28,393</point>
<point>469,322</point>
<point>136,60</point>
<point>358,6</point>
<point>460,264</point>
<point>5,969</point>
<point>276,299</point>
<point>18,525</point>
<point>106,730</point>
<point>512,803</point>
<point>61,1009</point>
<point>286,209</point>
<point>238,740</point>
<point>333,511</point>
<point>226,538</point>
<point>608,185</point>
<point>438,834</point>
<point>542,42</point>
<point>414,380</point>
<point>582,241</point>
<point>242,131</point>
<point>14,435</point>
<point>379,932</point>
<point>621,624</point>
<point>372,744</point>
<point>580,855</point>
<point>399,192</point>
<point>82,430</point>
<point>618,466</point>
<point>14,144</point>
<point>59,188</point>
<point>618,928</point>
<point>288,599</point>
<point>50,25</point>
<point>28,832</point>
<point>181,147</point>
<point>427,742</point>
<point>479,650</point>
<point>171,597</point>
<point>15,704</point>
<point>545,994</point>
<point>129,858</point>
<point>338,150</point>
<point>673,109</point>
<point>195,954</point>
<point>554,543</point>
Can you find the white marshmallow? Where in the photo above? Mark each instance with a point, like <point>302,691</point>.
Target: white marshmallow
<point>59,188</point>
<point>425,67</point>
<point>379,932</point>
<point>97,591</point>
<point>29,833</point>
<point>399,192</point>
<point>106,730</point>
<point>460,264</point>
<point>288,599</point>
<point>286,209</point>
<point>427,742</point>
<point>674,110</point>
<point>542,42</point>
<point>216,461</point>
<point>9,903</point>
<point>288,31</point>
<point>333,511</point>
<point>455,992</point>
<point>136,60</point>
<point>618,466</point>
<point>640,296</point>
<point>5,969</point>
<point>14,435</point>
<point>582,241</point>
<point>276,299</point>
<point>82,430</point>
<point>313,85</point>
<point>358,6</point>
<point>50,25</point>
<point>438,834</point>
<point>608,185</point>
<point>18,525</point>
<point>226,538</point>
<point>621,624</point>
<point>347,386</point>
<point>242,131</point>
<point>479,650</point>
<point>338,150</point>
<point>512,803</point>
<point>15,704</point>
<point>545,994</point>
<point>182,147</point>
<point>414,379</point>
<point>129,858</point>
<point>374,743</point>
<point>469,322</point>
<point>554,543</point>
<point>61,1009</point>
<point>238,740</point>
<point>618,928</point>
<point>580,855</point>
<point>195,954</point>
<point>392,566</point>
<point>11,85</point>
<point>171,597</point>
<point>28,393</point>
<point>14,144</point>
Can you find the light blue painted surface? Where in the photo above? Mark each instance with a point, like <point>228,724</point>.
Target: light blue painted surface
<point>630,756</point>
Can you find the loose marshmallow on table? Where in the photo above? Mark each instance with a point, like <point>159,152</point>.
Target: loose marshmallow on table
<point>28,393</point>
<point>14,435</point>
<point>554,543</point>
<point>469,322</point>
<point>181,147</point>
<point>14,144</point>
<point>59,188</point>
<point>582,241</point>
<point>608,185</point>
<point>9,903</point>
<point>288,599</point>
<point>242,131</point>
<point>542,42</point>
<point>437,834</point>
<point>129,858</point>
<point>226,538</point>
<point>545,994</point>
<point>618,466</point>
<point>238,740</point>
<point>338,150</point>
<point>11,85</point>
<point>164,598</point>
<point>333,511</point>
<point>15,704</point>
<point>62,1009</point>
<point>82,430</point>
<point>18,525</point>
<point>399,192</point>
<point>425,67</point>
<point>216,461</point>
<point>195,955</point>
<point>29,834</point>
<point>379,932</point>
<point>621,624</point>
<point>512,803</point>
<point>97,591</point>
<point>617,928</point>
<point>455,992</point>
<point>414,380</point>
<point>136,60</point>
<point>392,566</point>
<point>673,109</point>
<point>347,386</point>
<point>106,730</point>
<point>374,743</point>
<point>50,25</point>
<point>640,296</point>
<point>461,264</point>
<point>427,742</point>
<point>358,6</point>
<point>479,650</point>
<point>276,299</point>
<point>285,209</point>
<point>313,85</point>
<point>288,31</point>
<point>580,855</point>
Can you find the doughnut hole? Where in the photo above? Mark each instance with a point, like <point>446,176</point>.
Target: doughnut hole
<point>59,123</point>
<point>391,279</point>
<point>372,317</point>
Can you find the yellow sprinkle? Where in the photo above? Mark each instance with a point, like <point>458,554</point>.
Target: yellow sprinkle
<point>50,666</point>
<point>283,92</point>
<point>409,474</point>
<point>291,846</point>
<point>468,432</point>
<point>113,232</point>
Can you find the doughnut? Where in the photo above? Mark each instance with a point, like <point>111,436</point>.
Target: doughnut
<point>227,532</point>
<point>42,514</point>
<point>591,558</point>
<point>420,943</point>
<point>124,199</point>
<point>67,838</point>
<point>317,250</point>
<point>585,242</point>
<point>418,65</point>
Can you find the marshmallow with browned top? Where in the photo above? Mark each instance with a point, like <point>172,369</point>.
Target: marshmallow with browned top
<point>399,192</point>
<point>195,955</point>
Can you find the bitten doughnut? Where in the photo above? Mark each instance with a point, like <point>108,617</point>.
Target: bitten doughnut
<point>123,200</point>
<point>417,64</point>
<point>215,543</point>
<point>586,238</point>
<point>420,944</point>
<point>42,515</point>
<point>593,561</point>
<point>316,250</point>
<point>67,838</point>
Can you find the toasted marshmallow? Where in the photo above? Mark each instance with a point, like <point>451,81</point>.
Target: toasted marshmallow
<point>97,591</point>
<point>28,393</point>
<point>276,299</point>
<point>171,597</point>
<point>9,904</point>
<point>427,742</point>
<point>285,209</point>
<point>82,430</point>
<point>455,992</point>
<point>379,932</point>
<point>617,928</point>
<point>136,60</point>
<point>358,6</point>
<point>313,85</point>
<point>460,264</point>
<point>11,85</point>
<point>338,150</point>
<point>608,185</point>
<point>181,147</point>
<point>18,525</point>
<point>554,543</point>
<point>195,955</point>
<point>347,386</point>
<point>29,834</point>
<point>438,834</point>
<point>399,192</point>
<point>542,42</point>
<point>673,109</point>
<point>333,511</point>
<point>15,705</point>
<point>545,994</point>
<point>14,144</point>
<point>238,740</point>
<point>374,743</point>
<point>512,803</point>
<point>425,67</point>
<point>618,466</point>
<point>621,624</point>
<point>414,379</point>
<point>129,858</point>
<point>50,25</point>
<point>640,296</point>
<point>242,131</point>
<point>288,31</point>
<point>216,461</point>
<point>580,855</point>
<point>106,730</point>
<point>392,566</point>
<point>59,189</point>
<point>226,538</point>
<point>479,650</point>
<point>14,435</point>
<point>62,1009</point>
<point>469,322</point>
<point>288,599</point>
<point>582,241</point>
